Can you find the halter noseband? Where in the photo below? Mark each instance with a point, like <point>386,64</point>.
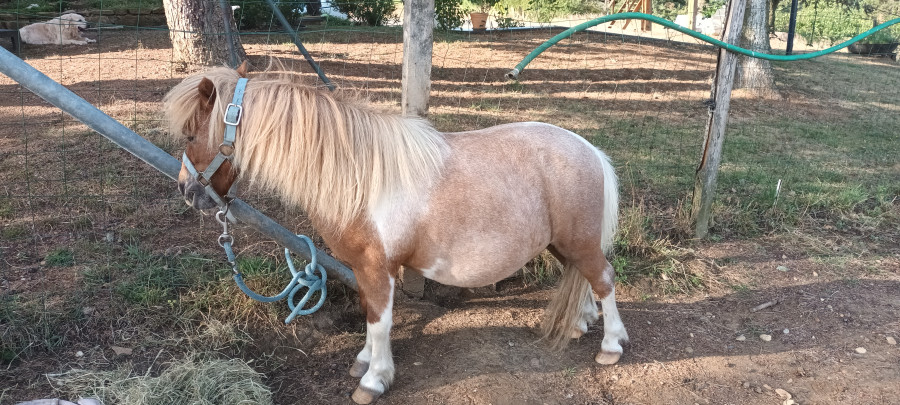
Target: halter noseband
<point>233,114</point>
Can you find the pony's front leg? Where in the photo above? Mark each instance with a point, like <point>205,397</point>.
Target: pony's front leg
<point>375,362</point>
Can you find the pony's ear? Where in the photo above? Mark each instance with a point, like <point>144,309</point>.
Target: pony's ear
<point>243,69</point>
<point>207,91</point>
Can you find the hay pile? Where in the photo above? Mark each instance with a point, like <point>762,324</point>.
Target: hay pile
<point>192,381</point>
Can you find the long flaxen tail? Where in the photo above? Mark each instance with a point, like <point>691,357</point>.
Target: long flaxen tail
<point>573,305</point>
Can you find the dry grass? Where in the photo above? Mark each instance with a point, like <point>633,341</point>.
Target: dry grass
<point>194,380</point>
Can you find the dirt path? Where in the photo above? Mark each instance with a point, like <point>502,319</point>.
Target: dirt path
<point>684,349</point>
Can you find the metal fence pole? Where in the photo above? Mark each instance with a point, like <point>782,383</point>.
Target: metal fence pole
<point>61,97</point>
<point>287,26</point>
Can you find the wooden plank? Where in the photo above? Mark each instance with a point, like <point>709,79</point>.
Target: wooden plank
<point>418,28</point>
<point>692,14</point>
<point>719,102</point>
<point>646,9</point>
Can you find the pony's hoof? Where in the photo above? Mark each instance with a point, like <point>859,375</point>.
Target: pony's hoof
<point>364,395</point>
<point>607,358</point>
<point>359,369</point>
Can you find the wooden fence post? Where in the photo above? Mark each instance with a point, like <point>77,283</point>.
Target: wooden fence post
<point>719,101</point>
<point>418,31</point>
<point>418,28</point>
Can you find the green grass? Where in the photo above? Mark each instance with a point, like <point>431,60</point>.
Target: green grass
<point>29,323</point>
<point>14,232</point>
<point>60,257</point>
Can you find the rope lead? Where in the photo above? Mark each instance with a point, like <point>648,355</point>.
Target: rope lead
<point>308,278</point>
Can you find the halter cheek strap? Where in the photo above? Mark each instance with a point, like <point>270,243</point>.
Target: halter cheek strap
<point>233,114</point>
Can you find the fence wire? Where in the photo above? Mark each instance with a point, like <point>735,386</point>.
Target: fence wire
<point>71,202</point>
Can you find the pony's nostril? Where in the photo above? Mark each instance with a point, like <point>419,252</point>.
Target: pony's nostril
<point>181,188</point>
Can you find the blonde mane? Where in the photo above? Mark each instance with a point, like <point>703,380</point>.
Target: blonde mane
<point>331,154</point>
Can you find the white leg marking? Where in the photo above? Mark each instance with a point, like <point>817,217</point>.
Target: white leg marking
<point>381,364</point>
<point>613,329</point>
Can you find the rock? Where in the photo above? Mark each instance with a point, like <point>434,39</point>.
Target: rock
<point>788,402</point>
<point>535,362</point>
<point>79,354</point>
<point>782,268</point>
<point>746,385</point>
<point>767,387</point>
<point>782,393</point>
<point>861,350</point>
<point>121,351</point>
<point>418,363</point>
<point>815,274</point>
<point>891,341</point>
<point>87,310</point>
<point>510,343</point>
<point>758,390</point>
<point>765,338</point>
<point>741,338</point>
<point>786,331</point>
<point>688,350</point>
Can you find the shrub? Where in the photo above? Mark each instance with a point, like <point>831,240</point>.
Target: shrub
<point>834,22</point>
<point>449,14</point>
<point>256,14</point>
<point>669,9</point>
<point>371,12</point>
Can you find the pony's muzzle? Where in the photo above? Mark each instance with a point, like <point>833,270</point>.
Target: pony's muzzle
<point>195,194</point>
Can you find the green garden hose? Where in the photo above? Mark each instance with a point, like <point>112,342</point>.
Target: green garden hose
<point>514,74</point>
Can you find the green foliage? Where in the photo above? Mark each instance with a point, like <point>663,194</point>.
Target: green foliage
<point>257,14</point>
<point>117,4</point>
<point>503,19</point>
<point>542,11</point>
<point>479,6</point>
<point>835,21</point>
<point>669,9</point>
<point>449,14</point>
<point>711,7</point>
<point>370,12</point>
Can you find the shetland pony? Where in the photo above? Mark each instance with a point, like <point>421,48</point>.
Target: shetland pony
<point>384,191</point>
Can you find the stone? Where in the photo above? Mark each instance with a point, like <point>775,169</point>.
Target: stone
<point>783,394</point>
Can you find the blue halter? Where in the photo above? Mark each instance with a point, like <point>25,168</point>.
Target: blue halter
<point>300,279</point>
<point>233,114</point>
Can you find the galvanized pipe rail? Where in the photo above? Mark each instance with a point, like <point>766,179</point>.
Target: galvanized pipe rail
<point>61,97</point>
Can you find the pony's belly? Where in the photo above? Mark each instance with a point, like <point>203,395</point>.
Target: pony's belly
<point>466,276</point>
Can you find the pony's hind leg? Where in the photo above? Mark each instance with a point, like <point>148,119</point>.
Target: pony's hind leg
<point>614,334</point>
<point>375,363</point>
<point>601,275</point>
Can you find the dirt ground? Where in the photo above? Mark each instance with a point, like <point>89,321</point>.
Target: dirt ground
<point>832,329</point>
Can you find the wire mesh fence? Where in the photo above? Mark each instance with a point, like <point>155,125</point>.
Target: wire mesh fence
<point>822,149</point>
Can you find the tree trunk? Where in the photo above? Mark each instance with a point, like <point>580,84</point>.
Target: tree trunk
<point>773,6</point>
<point>753,73</point>
<point>197,30</point>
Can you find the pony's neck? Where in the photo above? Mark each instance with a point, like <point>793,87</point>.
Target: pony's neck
<point>337,160</point>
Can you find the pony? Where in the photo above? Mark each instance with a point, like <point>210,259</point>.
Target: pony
<point>384,190</point>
